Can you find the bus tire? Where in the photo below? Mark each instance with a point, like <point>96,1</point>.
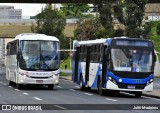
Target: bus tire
<point>50,86</point>
<point>11,83</point>
<point>138,94</point>
<point>19,86</point>
<point>101,91</point>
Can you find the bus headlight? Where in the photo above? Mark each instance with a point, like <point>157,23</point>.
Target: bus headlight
<point>149,82</point>
<point>111,79</point>
<point>54,75</point>
<point>24,74</point>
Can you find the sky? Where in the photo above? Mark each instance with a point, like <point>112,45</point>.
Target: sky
<point>27,9</point>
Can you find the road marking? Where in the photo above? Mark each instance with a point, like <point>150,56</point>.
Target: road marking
<point>77,86</point>
<point>17,89</point>
<point>88,94</point>
<point>37,98</point>
<point>10,86</point>
<point>1,82</point>
<point>141,96</point>
<point>25,93</point>
<point>59,107</point>
<point>59,86</point>
<point>72,90</point>
<point>150,98</point>
<point>110,99</point>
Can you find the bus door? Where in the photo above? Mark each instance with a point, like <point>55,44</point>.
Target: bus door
<point>104,65</point>
<point>87,65</point>
<point>76,64</point>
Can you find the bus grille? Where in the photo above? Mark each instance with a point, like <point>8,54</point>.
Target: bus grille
<point>137,86</point>
<point>39,77</point>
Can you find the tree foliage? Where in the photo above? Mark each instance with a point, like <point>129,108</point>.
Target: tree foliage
<point>158,28</point>
<point>75,10</point>
<point>128,12</point>
<point>147,30</point>
<point>105,11</point>
<point>50,22</point>
<point>89,29</point>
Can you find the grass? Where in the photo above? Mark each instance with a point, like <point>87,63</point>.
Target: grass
<point>11,30</point>
<point>66,63</point>
<point>64,74</point>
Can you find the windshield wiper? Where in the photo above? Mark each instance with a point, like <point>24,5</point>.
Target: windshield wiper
<point>41,57</point>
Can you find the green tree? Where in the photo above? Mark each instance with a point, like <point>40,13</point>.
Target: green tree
<point>128,12</point>
<point>158,28</point>
<point>105,10</point>
<point>134,14</point>
<point>50,22</point>
<point>76,10</point>
<point>89,29</point>
<point>147,30</point>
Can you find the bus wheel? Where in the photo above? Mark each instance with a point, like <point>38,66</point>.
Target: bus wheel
<point>19,86</point>
<point>11,83</point>
<point>50,86</point>
<point>101,91</point>
<point>138,94</point>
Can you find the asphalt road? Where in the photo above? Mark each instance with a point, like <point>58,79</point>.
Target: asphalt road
<point>68,93</point>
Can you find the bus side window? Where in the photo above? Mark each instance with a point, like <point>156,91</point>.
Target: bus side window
<point>13,48</point>
<point>8,49</point>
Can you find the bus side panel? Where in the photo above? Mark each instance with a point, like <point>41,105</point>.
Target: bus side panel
<point>94,73</point>
<point>13,68</point>
<point>7,67</point>
<point>83,72</point>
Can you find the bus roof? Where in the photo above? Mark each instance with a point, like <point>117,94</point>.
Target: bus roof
<point>97,41</point>
<point>106,40</point>
<point>35,36</point>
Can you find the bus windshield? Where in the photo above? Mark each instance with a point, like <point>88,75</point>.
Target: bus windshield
<point>39,55</point>
<point>132,60</point>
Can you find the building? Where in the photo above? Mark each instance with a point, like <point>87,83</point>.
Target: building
<point>152,12</point>
<point>8,12</point>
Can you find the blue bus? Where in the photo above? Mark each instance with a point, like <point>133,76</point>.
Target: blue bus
<point>116,64</point>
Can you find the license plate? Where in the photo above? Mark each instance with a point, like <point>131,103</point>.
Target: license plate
<point>131,87</point>
<point>39,81</point>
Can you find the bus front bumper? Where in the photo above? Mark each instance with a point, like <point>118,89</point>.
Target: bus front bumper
<point>110,85</point>
<point>27,80</point>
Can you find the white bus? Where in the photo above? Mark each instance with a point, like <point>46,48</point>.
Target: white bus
<point>33,59</point>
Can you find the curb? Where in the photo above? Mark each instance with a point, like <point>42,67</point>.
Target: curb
<point>65,78</point>
<point>148,95</point>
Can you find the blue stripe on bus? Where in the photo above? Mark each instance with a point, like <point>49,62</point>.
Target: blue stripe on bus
<point>130,80</point>
<point>94,85</point>
<point>79,74</point>
<point>99,73</point>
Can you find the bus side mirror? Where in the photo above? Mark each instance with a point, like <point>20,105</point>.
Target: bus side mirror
<point>154,58</point>
<point>18,55</point>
